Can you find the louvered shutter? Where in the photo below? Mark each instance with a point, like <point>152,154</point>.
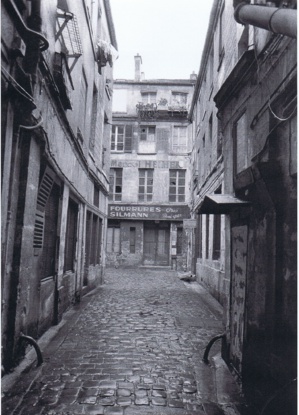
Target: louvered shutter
<point>128,138</point>
<point>44,191</point>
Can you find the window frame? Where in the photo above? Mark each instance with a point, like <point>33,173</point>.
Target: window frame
<point>174,189</point>
<point>146,195</point>
<point>179,148</point>
<point>115,180</point>
<point>115,138</point>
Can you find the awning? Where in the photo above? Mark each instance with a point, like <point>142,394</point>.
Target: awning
<point>220,204</point>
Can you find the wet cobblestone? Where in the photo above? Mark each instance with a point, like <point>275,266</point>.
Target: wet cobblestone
<point>138,342</point>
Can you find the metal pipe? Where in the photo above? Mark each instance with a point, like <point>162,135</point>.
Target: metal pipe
<point>205,358</point>
<point>280,21</point>
<point>23,29</point>
<point>31,341</point>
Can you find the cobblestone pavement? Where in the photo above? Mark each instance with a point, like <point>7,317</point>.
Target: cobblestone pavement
<point>135,346</point>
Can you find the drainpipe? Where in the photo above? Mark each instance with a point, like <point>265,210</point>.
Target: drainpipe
<point>280,21</point>
<point>31,60</point>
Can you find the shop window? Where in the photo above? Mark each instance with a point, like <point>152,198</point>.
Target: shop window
<point>71,236</point>
<point>179,241</point>
<point>177,185</point>
<point>179,142</point>
<point>132,240</point>
<point>115,185</point>
<point>113,239</point>
<point>146,181</point>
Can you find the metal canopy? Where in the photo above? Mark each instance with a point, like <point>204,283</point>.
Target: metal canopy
<point>220,204</point>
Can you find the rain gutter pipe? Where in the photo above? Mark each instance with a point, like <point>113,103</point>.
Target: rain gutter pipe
<point>281,21</point>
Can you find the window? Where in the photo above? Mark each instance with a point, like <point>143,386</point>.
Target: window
<point>148,133</point>
<point>115,185</point>
<point>240,144</point>
<point>179,241</point>
<point>121,138</point>
<point>179,98</point>
<point>113,239</point>
<point>177,185</point>
<point>71,236</point>
<point>149,97</point>
<point>117,138</point>
<point>146,179</point>
<point>179,142</point>
<point>96,196</point>
<point>132,240</point>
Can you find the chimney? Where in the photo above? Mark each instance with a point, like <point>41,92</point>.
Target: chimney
<point>138,62</point>
<point>142,76</point>
<point>193,76</point>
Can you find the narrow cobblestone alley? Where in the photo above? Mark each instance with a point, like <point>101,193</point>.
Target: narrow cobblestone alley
<point>134,346</point>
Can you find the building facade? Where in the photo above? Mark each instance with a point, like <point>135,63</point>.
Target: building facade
<point>224,43</point>
<point>150,159</point>
<point>57,60</point>
<point>244,192</point>
<point>259,126</point>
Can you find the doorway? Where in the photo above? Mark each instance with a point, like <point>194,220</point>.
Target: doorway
<point>156,244</point>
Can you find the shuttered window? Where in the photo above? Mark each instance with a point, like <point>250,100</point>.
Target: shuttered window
<point>122,138</point>
<point>71,236</point>
<point>49,255</point>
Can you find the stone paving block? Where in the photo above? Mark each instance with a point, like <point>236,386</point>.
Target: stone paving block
<point>123,392</point>
<point>108,401</point>
<point>114,411</point>
<point>103,393</point>
<point>159,393</point>
<point>124,401</point>
<point>140,393</point>
<point>142,401</point>
<point>107,384</point>
<point>126,385</point>
<point>94,409</point>
<point>158,401</point>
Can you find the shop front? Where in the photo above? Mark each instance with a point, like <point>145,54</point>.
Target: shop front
<point>147,235</point>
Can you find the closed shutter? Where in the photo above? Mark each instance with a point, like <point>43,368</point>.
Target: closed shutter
<point>43,195</point>
<point>128,138</point>
<point>163,139</point>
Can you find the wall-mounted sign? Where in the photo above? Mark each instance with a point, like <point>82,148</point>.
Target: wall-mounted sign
<point>148,164</point>
<point>148,212</point>
<point>189,223</point>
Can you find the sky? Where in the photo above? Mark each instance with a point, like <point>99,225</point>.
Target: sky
<point>168,34</point>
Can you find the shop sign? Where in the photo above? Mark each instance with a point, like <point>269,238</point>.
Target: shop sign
<point>148,212</point>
